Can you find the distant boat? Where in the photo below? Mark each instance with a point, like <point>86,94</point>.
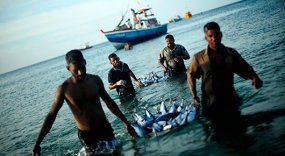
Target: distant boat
<point>86,46</point>
<point>176,18</point>
<point>146,28</point>
<point>188,15</point>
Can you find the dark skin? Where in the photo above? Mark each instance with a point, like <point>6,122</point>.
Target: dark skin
<point>81,91</point>
<point>170,44</point>
<point>128,46</point>
<point>115,61</point>
<point>214,38</point>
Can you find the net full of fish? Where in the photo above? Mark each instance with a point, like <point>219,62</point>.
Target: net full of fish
<point>164,119</point>
<point>152,78</point>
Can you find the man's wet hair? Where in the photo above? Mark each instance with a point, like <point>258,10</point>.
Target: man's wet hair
<point>112,55</point>
<point>211,26</point>
<point>169,36</point>
<point>74,56</point>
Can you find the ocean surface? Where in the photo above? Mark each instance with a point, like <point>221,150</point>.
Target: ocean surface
<point>255,28</point>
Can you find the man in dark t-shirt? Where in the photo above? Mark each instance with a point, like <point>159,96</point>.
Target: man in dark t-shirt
<point>119,77</point>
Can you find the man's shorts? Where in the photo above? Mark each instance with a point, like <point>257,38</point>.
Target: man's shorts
<point>93,146</point>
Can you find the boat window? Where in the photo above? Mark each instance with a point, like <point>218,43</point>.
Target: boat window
<point>152,21</point>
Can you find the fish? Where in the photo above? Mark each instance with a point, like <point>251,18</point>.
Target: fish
<point>162,123</point>
<point>156,127</point>
<point>162,120</point>
<point>184,118</point>
<point>148,115</point>
<point>181,107</point>
<point>138,119</point>
<point>173,107</point>
<point>163,109</point>
<point>139,131</point>
<point>151,78</point>
<point>167,127</point>
<point>167,116</point>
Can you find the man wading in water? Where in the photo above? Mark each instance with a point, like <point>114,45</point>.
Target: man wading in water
<point>216,66</point>
<point>119,77</point>
<point>81,91</point>
<point>174,56</point>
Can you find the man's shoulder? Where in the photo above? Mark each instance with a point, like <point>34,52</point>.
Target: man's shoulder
<point>95,77</point>
<point>200,53</point>
<point>62,87</point>
<point>179,46</point>
<point>230,50</point>
<point>67,81</point>
<point>125,64</point>
<point>164,49</point>
<point>112,70</point>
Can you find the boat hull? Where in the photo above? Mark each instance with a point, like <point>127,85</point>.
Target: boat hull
<point>119,38</point>
<point>176,19</point>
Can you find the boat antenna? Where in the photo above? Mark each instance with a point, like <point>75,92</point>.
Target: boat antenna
<point>123,15</point>
<point>126,11</point>
<point>139,3</point>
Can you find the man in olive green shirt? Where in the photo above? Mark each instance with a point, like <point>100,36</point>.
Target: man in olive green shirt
<point>216,66</point>
<point>174,56</point>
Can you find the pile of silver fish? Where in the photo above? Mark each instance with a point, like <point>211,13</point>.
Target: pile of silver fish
<point>151,78</point>
<point>163,119</point>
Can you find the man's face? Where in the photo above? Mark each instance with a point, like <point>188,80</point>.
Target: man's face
<point>78,70</point>
<point>213,37</point>
<point>169,42</point>
<point>115,61</point>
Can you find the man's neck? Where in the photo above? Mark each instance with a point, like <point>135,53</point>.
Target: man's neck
<point>216,49</point>
<point>172,46</point>
<point>74,80</point>
<point>119,67</point>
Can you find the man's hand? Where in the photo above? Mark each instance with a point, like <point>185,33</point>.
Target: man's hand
<point>177,59</point>
<point>257,83</point>
<point>196,99</point>
<point>138,84</point>
<point>131,130</point>
<point>121,83</point>
<point>36,151</point>
<point>165,70</point>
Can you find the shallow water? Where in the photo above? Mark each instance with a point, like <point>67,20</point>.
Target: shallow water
<point>254,28</point>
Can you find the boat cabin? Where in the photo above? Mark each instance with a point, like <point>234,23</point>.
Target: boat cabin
<point>146,23</point>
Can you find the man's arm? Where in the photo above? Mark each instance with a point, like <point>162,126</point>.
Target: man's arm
<point>111,83</point>
<point>49,120</point>
<point>161,61</point>
<point>192,86</point>
<point>185,55</point>
<point>178,58</point>
<point>162,65</point>
<point>112,86</point>
<point>113,107</point>
<point>193,72</point>
<point>244,70</point>
<point>256,81</point>
<point>135,79</point>
<point>119,83</point>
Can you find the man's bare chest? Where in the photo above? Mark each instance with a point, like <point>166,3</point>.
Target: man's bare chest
<point>82,92</point>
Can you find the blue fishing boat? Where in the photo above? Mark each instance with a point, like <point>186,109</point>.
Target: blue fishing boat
<point>176,18</point>
<point>145,27</point>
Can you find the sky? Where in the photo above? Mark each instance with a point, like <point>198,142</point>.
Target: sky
<point>32,31</point>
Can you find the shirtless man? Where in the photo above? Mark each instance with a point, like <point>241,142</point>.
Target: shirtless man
<point>81,91</point>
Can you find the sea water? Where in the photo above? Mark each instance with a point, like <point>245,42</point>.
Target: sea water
<point>255,28</point>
